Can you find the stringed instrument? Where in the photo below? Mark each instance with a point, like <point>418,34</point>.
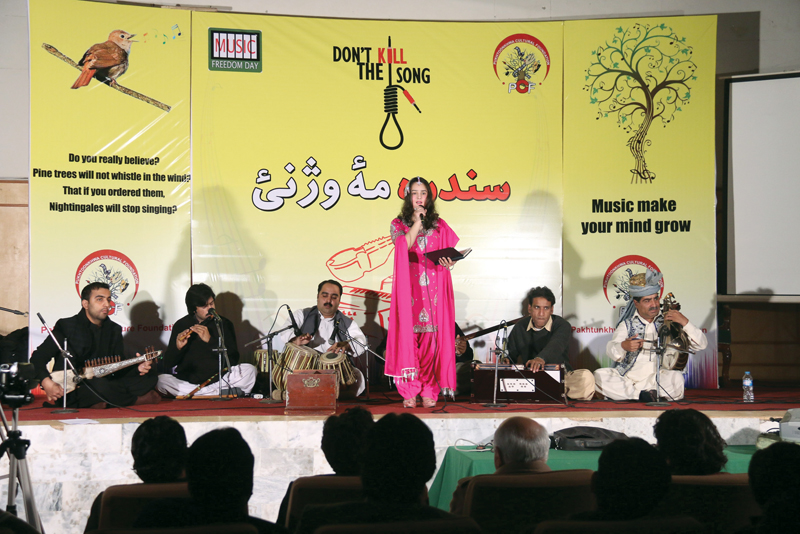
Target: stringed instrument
<point>672,336</point>
<point>100,367</point>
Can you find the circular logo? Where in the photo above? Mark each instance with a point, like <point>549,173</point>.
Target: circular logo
<point>112,268</point>
<point>521,57</point>
<point>618,276</point>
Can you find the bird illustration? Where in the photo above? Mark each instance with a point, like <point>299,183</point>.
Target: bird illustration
<point>105,61</point>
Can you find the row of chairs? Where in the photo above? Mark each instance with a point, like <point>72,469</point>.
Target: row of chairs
<point>496,503</point>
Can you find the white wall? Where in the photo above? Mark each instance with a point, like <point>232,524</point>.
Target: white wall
<point>779,44</point>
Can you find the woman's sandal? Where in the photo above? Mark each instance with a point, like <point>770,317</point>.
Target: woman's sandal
<point>427,402</point>
<point>410,403</point>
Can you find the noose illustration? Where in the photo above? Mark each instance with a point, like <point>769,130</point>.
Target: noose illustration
<point>391,109</point>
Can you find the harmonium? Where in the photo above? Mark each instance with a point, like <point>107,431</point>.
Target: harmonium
<point>515,384</point>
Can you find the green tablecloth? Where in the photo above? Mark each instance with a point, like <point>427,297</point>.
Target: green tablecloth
<point>468,462</point>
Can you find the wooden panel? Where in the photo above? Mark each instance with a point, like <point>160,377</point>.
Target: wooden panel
<point>14,259</point>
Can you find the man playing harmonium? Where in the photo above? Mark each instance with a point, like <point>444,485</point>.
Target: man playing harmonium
<point>327,331</point>
<point>193,352</point>
<point>544,339</point>
<point>632,346</point>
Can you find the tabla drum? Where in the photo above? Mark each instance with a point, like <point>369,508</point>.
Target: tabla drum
<point>341,364</point>
<point>294,358</point>
<point>261,358</point>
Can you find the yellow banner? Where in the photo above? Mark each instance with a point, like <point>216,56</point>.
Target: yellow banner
<point>639,173</point>
<point>301,155</point>
<point>110,163</point>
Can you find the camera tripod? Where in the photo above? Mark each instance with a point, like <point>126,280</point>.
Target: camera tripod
<point>18,464</point>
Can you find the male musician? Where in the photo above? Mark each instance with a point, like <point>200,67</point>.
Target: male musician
<point>545,339</point>
<point>193,352</point>
<point>632,346</point>
<point>91,334</point>
<point>325,329</point>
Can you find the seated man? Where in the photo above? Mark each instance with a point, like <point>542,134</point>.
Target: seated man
<point>219,473</point>
<point>632,477</point>
<point>343,438</point>
<point>775,480</point>
<point>464,357</point>
<point>158,448</point>
<point>318,329</point>
<point>399,459</point>
<point>634,375</point>
<point>521,446</point>
<point>545,339</point>
<point>192,352</point>
<point>91,334</point>
<point>690,442</point>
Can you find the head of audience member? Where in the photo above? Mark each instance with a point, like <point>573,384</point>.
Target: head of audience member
<point>329,294</point>
<point>199,299</point>
<point>158,448</point>
<point>690,442</point>
<point>540,305</point>
<point>775,471</point>
<point>343,438</point>
<point>399,459</point>
<point>632,477</point>
<point>96,301</point>
<point>520,440</point>
<point>219,473</point>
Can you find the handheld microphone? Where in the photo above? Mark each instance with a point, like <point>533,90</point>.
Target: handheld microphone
<point>297,331</point>
<point>335,332</point>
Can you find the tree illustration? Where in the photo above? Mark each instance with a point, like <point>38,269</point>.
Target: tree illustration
<point>640,76</point>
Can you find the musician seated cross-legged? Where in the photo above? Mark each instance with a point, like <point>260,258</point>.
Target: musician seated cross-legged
<point>544,339</point>
<point>328,331</point>
<point>92,337</point>
<point>193,352</point>
<point>633,346</point>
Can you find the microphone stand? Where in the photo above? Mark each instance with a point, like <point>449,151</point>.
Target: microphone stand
<point>366,360</point>
<point>494,403</point>
<point>660,349</point>
<point>222,351</point>
<point>67,361</point>
<point>268,337</point>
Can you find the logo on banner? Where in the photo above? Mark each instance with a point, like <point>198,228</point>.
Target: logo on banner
<point>234,50</point>
<point>112,268</point>
<point>618,277</point>
<point>521,57</point>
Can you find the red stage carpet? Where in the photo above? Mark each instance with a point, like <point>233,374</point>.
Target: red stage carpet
<point>768,399</point>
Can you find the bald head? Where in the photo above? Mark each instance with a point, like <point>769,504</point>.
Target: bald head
<point>520,440</point>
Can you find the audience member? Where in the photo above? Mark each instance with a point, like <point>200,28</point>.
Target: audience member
<point>521,446</point>
<point>219,472</point>
<point>343,438</point>
<point>399,459</point>
<point>632,477</point>
<point>158,448</point>
<point>690,442</point>
<point>775,480</point>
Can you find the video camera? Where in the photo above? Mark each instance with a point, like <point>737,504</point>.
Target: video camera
<point>16,382</point>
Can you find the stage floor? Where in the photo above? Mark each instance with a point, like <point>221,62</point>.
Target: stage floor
<point>770,402</point>
<point>73,457</point>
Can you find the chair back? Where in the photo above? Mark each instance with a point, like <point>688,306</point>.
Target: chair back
<point>507,503</point>
<point>461,525</point>
<point>122,504</point>
<point>233,528</point>
<point>320,490</point>
<point>723,502</point>
<point>663,525</point>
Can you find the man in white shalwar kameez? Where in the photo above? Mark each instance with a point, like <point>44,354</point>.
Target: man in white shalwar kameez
<point>631,347</point>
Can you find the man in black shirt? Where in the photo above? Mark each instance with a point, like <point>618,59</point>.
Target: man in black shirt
<point>192,355</point>
<point>91,334</point>
<point>545,339</point>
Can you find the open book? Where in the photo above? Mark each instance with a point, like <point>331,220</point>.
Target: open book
<point>449,252</point>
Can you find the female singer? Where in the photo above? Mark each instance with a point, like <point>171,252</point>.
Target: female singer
<point>420,347</point>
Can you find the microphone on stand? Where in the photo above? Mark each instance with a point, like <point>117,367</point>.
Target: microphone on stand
<point>335,332</point>
<point>213,313</point>
<point>297,331</point>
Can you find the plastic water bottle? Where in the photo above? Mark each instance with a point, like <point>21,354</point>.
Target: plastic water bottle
<point>747,386</point>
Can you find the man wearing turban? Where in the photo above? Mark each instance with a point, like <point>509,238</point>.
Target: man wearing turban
<point>632,346</point>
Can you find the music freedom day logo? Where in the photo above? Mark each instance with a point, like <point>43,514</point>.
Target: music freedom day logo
<point>234,50</point>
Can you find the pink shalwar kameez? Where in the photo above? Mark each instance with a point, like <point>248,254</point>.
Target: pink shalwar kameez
<point>420,347</point>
